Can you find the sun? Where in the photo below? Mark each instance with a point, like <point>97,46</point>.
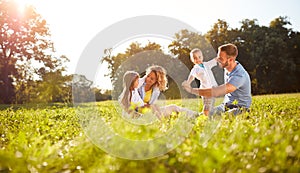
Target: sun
<point>25,2</point>
<point>22,4</point>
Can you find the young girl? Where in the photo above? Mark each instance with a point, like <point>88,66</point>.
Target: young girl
<point>133,104</point>
<point>130,98</point>
<point>202,71</point>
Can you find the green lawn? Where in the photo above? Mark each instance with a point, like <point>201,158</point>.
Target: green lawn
<point>39,138</point>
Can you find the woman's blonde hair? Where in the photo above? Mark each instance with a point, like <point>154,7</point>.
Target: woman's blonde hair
<point>161,76</point>
<point>128,81</point>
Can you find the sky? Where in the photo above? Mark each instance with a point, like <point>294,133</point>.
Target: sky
<point>73,24</point>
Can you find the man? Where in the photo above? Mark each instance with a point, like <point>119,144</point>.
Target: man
<point>237,87</point>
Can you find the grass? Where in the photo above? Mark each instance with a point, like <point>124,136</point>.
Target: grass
<point>52,139</point>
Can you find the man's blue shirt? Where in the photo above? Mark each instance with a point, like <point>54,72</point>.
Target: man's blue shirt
<point>241,80</point>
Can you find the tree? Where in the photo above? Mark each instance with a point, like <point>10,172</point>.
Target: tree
<point>218,35</point>
<point>286,53</point>
<point>25,47</point>
<point>251,45</point>
<point>266,54</point>
<point>102,95</point>
<point>115,61</point>
<point>81,89</point>
<point>294,53</point>
<point>52,86</point>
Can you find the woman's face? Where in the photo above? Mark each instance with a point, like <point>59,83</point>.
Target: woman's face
<point>151,79</point>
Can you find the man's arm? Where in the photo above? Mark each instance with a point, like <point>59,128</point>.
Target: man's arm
<point>211,92</point>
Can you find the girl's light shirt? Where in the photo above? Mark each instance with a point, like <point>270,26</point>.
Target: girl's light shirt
<point>204,74</point>
<point>136,98</point>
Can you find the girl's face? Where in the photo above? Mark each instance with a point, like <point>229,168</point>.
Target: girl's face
<point>151,79</point>
<point>197,59</point>
<point>135,83</point>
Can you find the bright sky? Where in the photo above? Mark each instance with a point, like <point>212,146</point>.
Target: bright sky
<point>74,23</point>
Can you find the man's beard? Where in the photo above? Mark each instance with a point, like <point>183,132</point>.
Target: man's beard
<point>223,66</point>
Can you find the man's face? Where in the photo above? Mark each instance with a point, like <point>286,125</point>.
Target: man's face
<point>222,59</point>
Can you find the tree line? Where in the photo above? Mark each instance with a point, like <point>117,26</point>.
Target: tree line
<point>31,71</point>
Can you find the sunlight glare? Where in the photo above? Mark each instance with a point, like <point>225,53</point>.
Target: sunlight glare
<point>22,4</point>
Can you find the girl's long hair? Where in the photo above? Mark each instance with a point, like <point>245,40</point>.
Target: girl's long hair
<point>128,81</point>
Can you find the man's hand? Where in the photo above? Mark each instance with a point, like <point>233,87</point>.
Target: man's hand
<point>186,86</point>
<point>185,83</point>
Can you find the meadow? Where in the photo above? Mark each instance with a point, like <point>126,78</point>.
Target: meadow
<point>53,138</point>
